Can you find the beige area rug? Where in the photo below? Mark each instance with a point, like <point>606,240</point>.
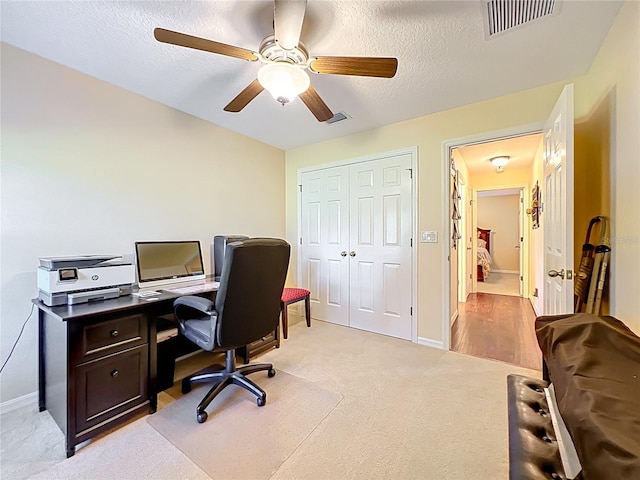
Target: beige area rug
<point>240,439</point>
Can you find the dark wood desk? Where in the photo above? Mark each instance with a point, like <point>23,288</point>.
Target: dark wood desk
<point>98,362</point>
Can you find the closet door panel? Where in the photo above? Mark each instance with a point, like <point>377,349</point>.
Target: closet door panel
<point>356,252</point>
<point>325,241</point>
<point>380,254</point>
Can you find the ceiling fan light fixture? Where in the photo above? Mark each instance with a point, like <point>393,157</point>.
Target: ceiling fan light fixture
<point>284,81</point>
<point>500,162</point>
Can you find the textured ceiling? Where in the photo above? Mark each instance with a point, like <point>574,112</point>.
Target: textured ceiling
<point>445,59</point>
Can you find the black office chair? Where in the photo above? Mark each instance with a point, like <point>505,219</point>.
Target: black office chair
<point>247,307</point>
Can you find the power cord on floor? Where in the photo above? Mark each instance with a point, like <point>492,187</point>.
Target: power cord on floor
<point>17,339</point>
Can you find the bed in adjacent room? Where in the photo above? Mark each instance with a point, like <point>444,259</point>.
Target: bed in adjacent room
<point>484,254</point>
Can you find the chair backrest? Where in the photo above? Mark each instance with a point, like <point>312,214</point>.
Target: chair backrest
<point>248,300</point>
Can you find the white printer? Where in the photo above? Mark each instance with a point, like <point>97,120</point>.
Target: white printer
<point>84,278</point>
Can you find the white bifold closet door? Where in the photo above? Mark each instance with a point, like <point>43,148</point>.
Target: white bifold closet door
<point>356,244</point>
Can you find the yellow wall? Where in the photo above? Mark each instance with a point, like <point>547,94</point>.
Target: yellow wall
<point>616,69</point>
<point>592,181</point>
<point>508,179</point>
<point>428,134</point>
<point>608,103</point>
<point>124,168</point>
<point>89,168</point>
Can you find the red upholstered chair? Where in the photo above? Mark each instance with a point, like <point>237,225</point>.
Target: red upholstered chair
<point>293,295</point>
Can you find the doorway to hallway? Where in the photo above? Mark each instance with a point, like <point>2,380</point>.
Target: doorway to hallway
<point>495,251</point>
<point>500,226</point>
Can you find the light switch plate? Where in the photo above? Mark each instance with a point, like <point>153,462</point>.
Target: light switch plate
<point>429,237</point>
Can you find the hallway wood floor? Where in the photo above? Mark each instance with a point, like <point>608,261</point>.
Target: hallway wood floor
<point>499,327</point>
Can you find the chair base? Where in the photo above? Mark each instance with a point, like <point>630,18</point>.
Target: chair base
<point>231,375</point>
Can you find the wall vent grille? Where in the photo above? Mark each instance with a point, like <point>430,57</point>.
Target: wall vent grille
<point>503,15</point>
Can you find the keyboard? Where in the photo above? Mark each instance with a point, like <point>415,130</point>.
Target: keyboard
<point>191,289</point>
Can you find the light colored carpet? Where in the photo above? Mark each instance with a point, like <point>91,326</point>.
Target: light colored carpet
<point>501,284</point>
<point>408,412</point>
<point>240,439</point>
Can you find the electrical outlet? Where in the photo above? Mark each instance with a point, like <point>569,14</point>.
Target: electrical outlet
<point>429,237</point>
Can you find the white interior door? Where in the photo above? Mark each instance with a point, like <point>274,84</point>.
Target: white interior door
<point>380,247</point>
<point>521,256</point>
<point>325,242</point>
<point>356,252</point>
<point>469,240</point>
<point>557,203</point>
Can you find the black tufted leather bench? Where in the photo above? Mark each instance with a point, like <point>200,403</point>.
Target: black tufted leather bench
<point>533,448</point>
<point>594,364</point>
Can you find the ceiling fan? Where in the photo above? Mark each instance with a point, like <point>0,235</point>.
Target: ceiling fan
<point>285,59</point>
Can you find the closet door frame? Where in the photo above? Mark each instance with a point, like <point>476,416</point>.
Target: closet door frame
<point>413,152</point>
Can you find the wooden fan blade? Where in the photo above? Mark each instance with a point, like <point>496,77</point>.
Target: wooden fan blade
<point>244,97</point>
<point>184,40</point>
<point>288,16</point>
<point>384,67</point>
<point>317,106</point>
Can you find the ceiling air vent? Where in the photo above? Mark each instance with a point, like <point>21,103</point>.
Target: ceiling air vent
<point>338,117</point>
<point>503,15</point>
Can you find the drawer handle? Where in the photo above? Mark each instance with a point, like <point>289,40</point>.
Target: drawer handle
<point>115,373</point>
<point>114,333</point>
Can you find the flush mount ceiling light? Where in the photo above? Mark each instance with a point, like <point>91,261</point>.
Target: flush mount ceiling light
<point>284,81</point>
<point>500,162</point>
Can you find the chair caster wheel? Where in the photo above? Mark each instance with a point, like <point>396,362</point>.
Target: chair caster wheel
<point>202,417</point>
<point>271,373</point>
<point>186,386</point>
<point>261,401</point>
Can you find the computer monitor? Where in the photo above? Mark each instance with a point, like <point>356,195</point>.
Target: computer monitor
<point>164,263</point>
<point>218,248</point>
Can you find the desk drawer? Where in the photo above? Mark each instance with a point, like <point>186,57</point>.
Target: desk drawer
<point>267,339</point>
<point>111,385</point>
<point>113,335</point>
<point>270,340</point>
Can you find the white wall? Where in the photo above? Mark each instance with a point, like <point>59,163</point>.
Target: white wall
<point>501,215</point>
<point>88,168</point>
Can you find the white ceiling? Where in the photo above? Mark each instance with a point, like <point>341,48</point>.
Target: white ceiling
<point>445,59</point>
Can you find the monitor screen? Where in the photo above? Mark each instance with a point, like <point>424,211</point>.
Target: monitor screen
<point>161,263</point>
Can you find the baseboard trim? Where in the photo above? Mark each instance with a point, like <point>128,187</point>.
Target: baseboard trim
<point>427,342</point>
<point>505,271</point>
<point>533,305</point>
<point>27,400</point>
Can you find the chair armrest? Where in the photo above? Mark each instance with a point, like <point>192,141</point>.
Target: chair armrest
<point>200,304</point>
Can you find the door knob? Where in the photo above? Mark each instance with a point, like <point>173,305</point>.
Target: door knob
<point>343,253</point>
<point>555,273</point>
<point>352,253</point>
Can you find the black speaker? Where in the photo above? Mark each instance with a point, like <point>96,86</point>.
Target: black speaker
<point>218,248</point>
